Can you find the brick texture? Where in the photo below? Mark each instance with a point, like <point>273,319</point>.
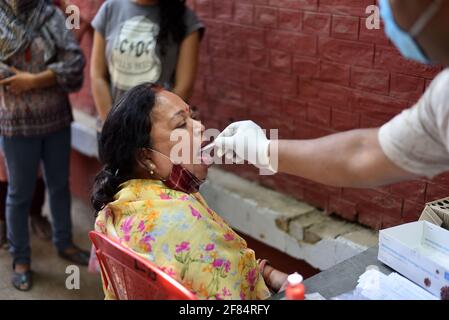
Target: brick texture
<point>315,69</point>
<point>309,68</point>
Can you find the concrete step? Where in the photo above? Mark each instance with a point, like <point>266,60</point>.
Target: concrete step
<point>284,223</point>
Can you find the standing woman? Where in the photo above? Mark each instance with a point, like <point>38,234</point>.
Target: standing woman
<point>40,63</point>
<point>139,41</point>
<point>40,225</point>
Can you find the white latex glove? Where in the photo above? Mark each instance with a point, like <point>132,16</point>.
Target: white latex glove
<point>244,140</point>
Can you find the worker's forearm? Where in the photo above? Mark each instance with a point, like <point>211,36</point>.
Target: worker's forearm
<point>44,79</point>
<point>349,159</point>
<point>184,92</point>
<point>186,68</point>
<point>102,97</point>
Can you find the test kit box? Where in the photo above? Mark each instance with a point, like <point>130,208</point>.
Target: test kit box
<point>420,252</point>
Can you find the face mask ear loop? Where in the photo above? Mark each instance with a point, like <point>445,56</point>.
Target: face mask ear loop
<point>146,169</point>
<point>425,18</point>
<point>198,181</point>
<point>160,178</point>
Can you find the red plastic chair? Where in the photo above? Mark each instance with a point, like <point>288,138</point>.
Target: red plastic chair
<point>131,276</point>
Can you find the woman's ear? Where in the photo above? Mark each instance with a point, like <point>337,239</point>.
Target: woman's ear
<point>144,161</point>
<point>147,165</point>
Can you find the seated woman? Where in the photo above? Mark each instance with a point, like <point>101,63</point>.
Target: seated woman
<point>153,206</point>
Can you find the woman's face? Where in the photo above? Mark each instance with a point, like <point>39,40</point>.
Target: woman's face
<point>175,134</point>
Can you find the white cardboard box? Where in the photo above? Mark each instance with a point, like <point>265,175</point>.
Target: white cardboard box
<point>420,252</point>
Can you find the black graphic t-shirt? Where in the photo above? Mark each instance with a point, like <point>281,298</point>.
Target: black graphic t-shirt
<point>130,31</point>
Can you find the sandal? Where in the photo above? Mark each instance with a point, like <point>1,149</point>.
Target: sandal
<point>80,257</point>
<point>22,281</point>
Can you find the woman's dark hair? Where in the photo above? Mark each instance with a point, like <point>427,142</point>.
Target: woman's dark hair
<point>172,22</point>
<point>125,131</point>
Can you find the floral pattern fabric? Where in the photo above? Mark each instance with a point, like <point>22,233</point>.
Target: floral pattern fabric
<point>185,238</point>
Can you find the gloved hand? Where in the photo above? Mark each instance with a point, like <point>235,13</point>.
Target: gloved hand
<point>244,140</point>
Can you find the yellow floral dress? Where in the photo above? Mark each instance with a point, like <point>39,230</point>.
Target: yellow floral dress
<point>185,238</point>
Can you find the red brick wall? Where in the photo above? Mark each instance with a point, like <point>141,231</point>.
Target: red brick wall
<point>311,68</point>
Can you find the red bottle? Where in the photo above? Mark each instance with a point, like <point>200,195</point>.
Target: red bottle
<point>295,289</point>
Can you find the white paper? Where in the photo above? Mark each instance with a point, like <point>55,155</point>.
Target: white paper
<point>375,285</point>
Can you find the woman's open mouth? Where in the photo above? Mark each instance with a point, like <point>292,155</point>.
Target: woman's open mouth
<point>206,154</point>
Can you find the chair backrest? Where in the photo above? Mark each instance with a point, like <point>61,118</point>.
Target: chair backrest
<point>131,276</point>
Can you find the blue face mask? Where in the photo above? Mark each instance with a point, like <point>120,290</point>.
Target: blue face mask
<point>405,41</point>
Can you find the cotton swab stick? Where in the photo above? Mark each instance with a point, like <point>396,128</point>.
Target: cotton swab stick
<point>208,147</point>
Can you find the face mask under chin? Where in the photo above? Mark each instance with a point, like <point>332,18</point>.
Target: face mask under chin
<point>180,178</point>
